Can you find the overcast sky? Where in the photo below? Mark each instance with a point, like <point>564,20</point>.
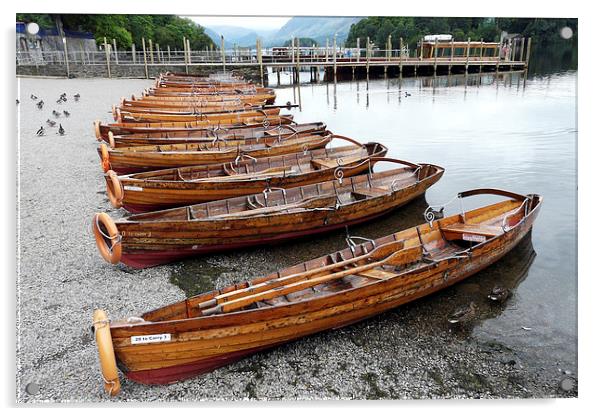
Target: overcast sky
<point>251,22</point>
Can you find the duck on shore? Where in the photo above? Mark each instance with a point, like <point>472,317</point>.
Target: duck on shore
<point>463,315</point>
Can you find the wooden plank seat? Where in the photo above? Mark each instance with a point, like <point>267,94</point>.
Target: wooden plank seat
<point>377,274</point>
<point>470,232</point>
<point>372,192</point>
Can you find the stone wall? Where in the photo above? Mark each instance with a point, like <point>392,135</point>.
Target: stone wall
<point>250,72</point>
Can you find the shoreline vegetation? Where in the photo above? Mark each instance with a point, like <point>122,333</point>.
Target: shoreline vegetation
<point>167,30</point>
<point>544,31</point>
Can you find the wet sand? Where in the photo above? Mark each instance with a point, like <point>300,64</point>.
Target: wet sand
<point>410,352</point>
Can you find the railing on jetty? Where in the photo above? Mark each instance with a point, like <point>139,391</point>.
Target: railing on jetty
<point>514,55</point>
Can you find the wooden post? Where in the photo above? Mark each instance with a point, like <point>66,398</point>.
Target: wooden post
<point>451,57</point>
<point>223,53</point>
<point>436,51</point>
<point>527,57</point>
<point>298,62</point>
<point>522,48</point>
<point>260,59</point>
<point>158,49</point>
<point>481,58</point>
<point>400,57</point>
<point>467,54</point>
<point>66,52</point>
<point>168,54</point>
<point>145,61</point>
<point>499,56</point>
<point>327,51</point>
<point>421,44</point>
<point>334,57</point>
<point>115,52</point>
<point>357,45</point>
<point>389,47</point>
<point>189,51</point>
<point>107,56</point>
<point>133,53</point>
<point>185,59</point>
<point>150,50</point>
<point>368,52</point>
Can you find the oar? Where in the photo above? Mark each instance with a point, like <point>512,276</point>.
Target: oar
<point>245,176</point>
<point>317,202</point>
<point>377,253</point>
<point>398,258</point>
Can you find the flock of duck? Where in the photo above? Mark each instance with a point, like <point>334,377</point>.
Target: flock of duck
<point>56,114</point>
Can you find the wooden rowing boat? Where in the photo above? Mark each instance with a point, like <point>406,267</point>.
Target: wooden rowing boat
<point>206,107</point>
<point>192,104</point>
<point>212,329</point>
<point>145,240</point>
<point>133,116</point>
<point>102,130</point>
<point>196,136</point>
<point>268,98</point>
<point>160,189</point>
<point>192,91</point>
<point>143,158</point>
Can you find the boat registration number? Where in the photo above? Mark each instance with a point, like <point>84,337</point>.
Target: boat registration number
<point>133,188</point>
<point>473,237</point>
<point>147,339</point>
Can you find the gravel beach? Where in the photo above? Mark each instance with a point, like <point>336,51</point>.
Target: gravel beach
<point>408,353</point>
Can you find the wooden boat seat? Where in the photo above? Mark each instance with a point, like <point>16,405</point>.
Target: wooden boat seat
<point>332,163</point>
<point>377,274</point>
<point>323,164</point>
<point>360,194</point>
<point>470,232</point>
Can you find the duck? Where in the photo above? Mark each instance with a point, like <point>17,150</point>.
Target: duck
<point>59,101</point>
<point>463,315</point>
<point>61,130</point>
<point>66,113</point>
<point>76,96</point>
<point>56,113</point>
<point>407,94</point>
<point>33,97</point>
<point>18,102</point>
<point>51,123</point>
<point>499,294</point>
<point>41,131</point>
<point>40,104</point>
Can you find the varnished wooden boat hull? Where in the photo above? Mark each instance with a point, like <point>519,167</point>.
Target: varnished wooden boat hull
<point>156,237</point>
<point>131,160</point>
<point>202,343</point>
<point>237,133</point>
<point>138,116</point>
<point>196,126</point>
<point>163,189</point>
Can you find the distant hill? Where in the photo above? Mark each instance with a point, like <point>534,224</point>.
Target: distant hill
<point>237,35</point>
<point>318,28</point>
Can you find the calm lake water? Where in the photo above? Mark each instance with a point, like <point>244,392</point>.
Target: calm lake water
<point>486,131</point>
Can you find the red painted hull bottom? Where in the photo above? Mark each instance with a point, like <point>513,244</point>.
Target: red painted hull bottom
<point>150,258</point>
<point>184,371</point>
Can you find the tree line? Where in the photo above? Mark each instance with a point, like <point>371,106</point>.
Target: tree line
<point>166,30</point>
<point>412,29</point>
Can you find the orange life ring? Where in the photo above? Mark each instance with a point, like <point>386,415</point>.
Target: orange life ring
<point>104,158</point>
<point>97,130</point>
<point>111,140</point>
<point>114,189</point>
<point>109,242</point>
<point>106,354</point>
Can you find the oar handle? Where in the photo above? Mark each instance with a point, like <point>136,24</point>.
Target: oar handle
<point>492,191</point>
